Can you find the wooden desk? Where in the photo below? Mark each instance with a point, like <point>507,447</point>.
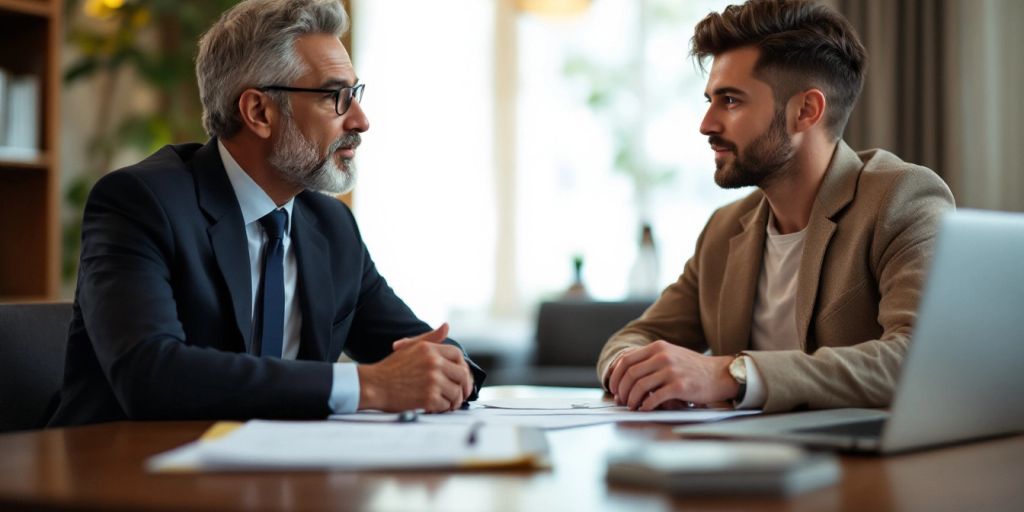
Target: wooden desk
<point>100,467</point>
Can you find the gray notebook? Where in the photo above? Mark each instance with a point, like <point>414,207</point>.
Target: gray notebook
<point>715,467</point>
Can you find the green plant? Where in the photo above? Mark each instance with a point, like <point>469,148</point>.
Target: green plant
<point>155,40</point>
<point>613,91</point>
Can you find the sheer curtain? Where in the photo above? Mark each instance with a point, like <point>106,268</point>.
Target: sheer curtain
<point>609,112</point>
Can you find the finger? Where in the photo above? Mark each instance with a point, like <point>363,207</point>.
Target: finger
<point>618,369</point>
<point>633,355</point>
<point>467,386</point>
<point>451,392</point>
<point>644,387</point>
<point>612,383</point>
<point>435,336</point>
<point>459,398</point>
<point>404,342</point>
<point>455,371</point>
<point>626,359</point>
<point>441,392</point>
<point>616,381</point>
<point>630,377</point>
<point>437,403</point>
<point>667,396</point>
<point>458,373</point>
<point>451,353</point>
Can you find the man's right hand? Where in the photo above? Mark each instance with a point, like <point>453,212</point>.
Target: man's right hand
<point>420,374</point>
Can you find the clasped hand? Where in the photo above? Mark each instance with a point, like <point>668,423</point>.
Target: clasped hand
<point>667,376</point>
<point>421,373</point>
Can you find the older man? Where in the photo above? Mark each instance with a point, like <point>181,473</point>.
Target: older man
<point>217,282</point>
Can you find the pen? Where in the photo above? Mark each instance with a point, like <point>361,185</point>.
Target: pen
<point>471,438</point>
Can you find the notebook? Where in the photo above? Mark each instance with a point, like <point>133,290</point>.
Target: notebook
<point>710,467</point>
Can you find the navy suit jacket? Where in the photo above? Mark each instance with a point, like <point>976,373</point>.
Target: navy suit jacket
<point>162,313</point>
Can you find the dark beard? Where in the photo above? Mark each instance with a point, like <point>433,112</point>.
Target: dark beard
<point>762,163</point>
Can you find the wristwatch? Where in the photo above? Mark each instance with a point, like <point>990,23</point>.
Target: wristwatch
<point>738,371</point>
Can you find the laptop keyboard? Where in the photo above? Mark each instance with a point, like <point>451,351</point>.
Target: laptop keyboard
<point>869,428</point>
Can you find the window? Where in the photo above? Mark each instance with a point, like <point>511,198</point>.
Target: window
<point>585,88</point>
<point>425,194</point>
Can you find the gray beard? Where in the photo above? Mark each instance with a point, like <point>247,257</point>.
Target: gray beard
<point>301,164</point>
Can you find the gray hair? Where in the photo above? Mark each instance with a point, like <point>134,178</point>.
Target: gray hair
<point>253,44</point>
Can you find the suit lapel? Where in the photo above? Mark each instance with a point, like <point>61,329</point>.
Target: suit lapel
<point>819,234</point>
<point>314,284</point>
<point>837,190</point>
<point>739,285</point>
<point>227,234</point>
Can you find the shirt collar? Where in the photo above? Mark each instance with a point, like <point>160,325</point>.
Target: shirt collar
<point>252,199</point>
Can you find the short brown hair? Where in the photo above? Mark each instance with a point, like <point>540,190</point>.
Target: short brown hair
<point>802,45</point>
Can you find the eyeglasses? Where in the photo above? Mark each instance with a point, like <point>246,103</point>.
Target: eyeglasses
<point>348,93</point>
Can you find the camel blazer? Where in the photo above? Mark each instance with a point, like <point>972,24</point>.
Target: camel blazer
<point>866,251</point>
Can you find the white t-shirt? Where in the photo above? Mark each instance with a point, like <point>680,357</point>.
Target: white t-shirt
<point>774,322</point>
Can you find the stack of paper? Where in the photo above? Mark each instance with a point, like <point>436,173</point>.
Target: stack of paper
<point>282,445</point>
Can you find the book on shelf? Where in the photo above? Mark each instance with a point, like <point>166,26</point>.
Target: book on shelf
<point>3,106</point>
<point>19,116</point>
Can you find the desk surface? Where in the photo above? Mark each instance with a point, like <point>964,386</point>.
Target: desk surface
<point>100,467</point>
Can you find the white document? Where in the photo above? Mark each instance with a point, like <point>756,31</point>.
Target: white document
<point>554,418</point>
<point>551,404</point>
<point>279,445</point>
<point>487,416</point>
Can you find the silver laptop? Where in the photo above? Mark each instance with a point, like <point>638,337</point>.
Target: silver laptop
<point>962,377</point>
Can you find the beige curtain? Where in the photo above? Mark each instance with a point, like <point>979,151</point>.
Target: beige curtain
<point>991,110</point>
<point>908,95</point>
<point>940,91</point>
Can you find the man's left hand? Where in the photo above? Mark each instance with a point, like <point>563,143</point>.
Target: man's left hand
<point>645,378</point>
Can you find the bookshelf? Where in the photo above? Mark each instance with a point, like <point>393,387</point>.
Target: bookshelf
<point>30,41</point>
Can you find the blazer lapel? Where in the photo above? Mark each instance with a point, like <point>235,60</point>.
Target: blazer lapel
<point>227,234</point>
<point>837,190</point>
<point>739,285</point>
<point>316,298</point>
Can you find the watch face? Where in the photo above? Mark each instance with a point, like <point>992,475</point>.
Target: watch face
<point>738,370</point>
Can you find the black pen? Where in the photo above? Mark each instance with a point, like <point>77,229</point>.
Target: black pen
<point>471,438</point>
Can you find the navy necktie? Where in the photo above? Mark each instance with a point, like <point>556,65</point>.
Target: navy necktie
<point>271,321</point>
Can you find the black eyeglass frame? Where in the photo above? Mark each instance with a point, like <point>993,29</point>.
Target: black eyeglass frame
<point>355,93</point>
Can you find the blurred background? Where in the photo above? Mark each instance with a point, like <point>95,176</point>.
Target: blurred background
<point>521,152</point>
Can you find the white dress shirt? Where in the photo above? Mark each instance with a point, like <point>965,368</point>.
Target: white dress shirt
<point>255,203</point>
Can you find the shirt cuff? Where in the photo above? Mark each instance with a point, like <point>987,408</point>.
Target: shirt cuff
<point>756,394</point>
<point>344,389</point>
